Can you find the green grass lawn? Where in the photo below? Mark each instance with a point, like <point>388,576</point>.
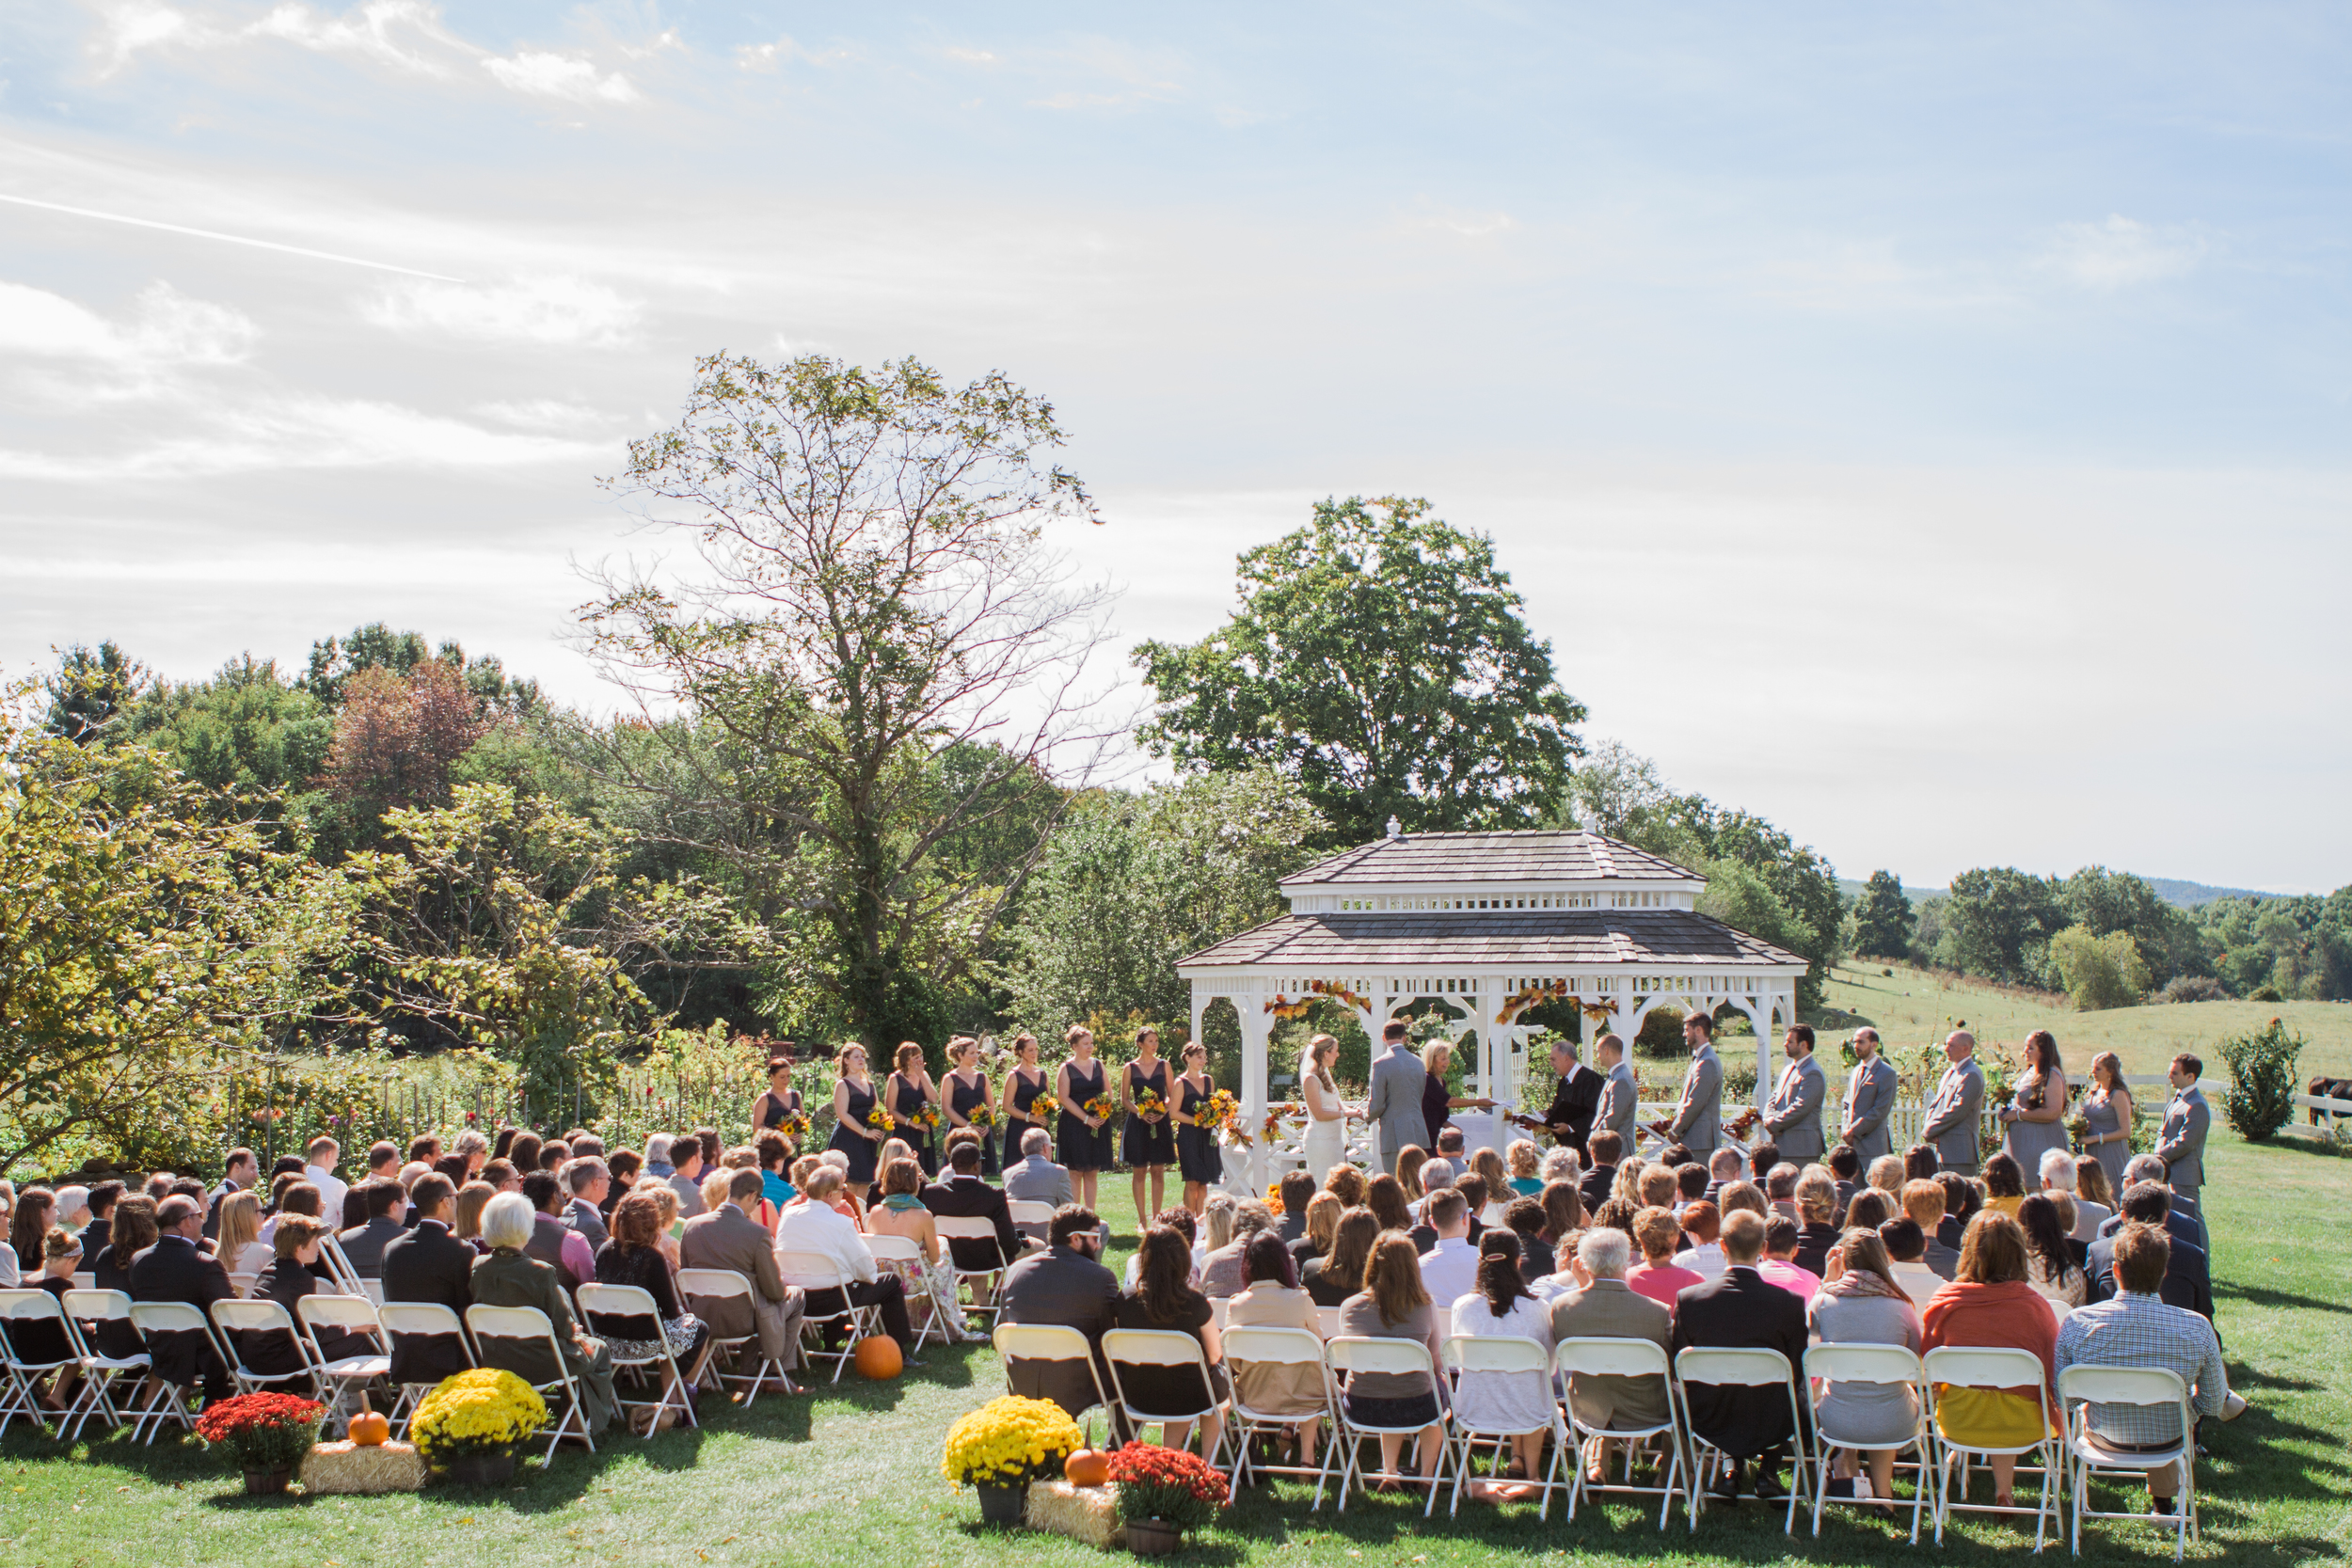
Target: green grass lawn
<point>852,1476</point>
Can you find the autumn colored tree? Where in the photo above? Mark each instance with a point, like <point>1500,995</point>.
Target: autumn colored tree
<point>399,735</point>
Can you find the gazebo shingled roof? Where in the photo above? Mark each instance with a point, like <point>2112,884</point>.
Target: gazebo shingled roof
<point>1535,940</point>
<point>1547,855</point>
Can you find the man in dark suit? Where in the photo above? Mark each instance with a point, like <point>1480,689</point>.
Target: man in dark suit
<point>589,1180</point>
<point>177,1268</point>
<point>95,1235</point>
<point>427,1263</point>
<point>364,1243</point>
<point>727,1238</point>
<point>1574,1098</point>
<point>1608,1149</point>
<point>2187,1272</point>
<point>1739,1309</point>
<point>964,1196</point>
<point>1065,1285</point>
<point>1297,1189</point>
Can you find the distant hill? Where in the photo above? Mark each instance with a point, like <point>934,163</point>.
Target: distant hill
<point>2188,896</point>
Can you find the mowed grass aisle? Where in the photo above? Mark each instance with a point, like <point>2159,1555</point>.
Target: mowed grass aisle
<point>851,1477</point>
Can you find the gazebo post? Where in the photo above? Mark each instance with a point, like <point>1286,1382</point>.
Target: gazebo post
<point>1257,1029</point>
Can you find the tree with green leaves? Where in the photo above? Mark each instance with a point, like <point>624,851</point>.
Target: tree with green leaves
<point>2099,971</point>
<point>336,661</point>
<point>1378,657</point>
<point>1883,918</point>
<point>91,688</point>
<point>881,656</point>
<point>1998,922</point>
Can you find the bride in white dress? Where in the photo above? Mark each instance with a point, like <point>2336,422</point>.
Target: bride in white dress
<point>1327,1113</point>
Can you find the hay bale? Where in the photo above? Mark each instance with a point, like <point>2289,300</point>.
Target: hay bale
<point>1088,1514</point>
<point>346,1468</point>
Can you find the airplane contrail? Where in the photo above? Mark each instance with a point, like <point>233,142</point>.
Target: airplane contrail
<point>232,239</point>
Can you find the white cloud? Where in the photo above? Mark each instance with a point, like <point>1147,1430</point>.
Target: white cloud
<point>972,57</point>
<point>547,75</point>
<point>542,414</point>
<point>551,309</point>
<point>165,329</point>
<point>2120,252</point>
<point>368,30</point>
<point>127,26</point>
<point>768,56</point>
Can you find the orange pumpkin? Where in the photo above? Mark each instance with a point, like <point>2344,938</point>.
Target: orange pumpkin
<point>1086,1467</point>
<point>878,1357</point>
<point>368,1430</point>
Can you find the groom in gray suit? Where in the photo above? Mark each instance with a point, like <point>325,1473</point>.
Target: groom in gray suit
<point>2180,1143</point>
<point>1618,1092</point>
<point>1869,1096</point>
<point>1394,1101</point>
<point>1793,1115</point>
<point>1952,1117</point>
<point>1697,1123</point>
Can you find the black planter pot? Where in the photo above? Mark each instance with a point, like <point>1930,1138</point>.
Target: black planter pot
<point>1004,1505</point>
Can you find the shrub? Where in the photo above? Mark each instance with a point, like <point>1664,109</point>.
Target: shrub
<point>266,1431</point>
<point>2263,1082</point>
<point>1167,1484</point>
<point>475,1415</point>
<point>2099,971</point>
<point>2193,988</point>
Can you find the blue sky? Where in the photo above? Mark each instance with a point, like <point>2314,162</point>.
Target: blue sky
<point>1928,428</point>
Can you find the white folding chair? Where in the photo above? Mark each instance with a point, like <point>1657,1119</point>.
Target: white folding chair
<point>952,1228</point>
<point>1880,1366</point>
<point>346,1375</point>
<point>1991,1367</point>
<point>634,1301</point>
<point>2079,1388</point>
<point>234,1319</point>
<point>18,1309</point>
<point>1328,1321</point>
<point>422,1320</point>
<point>84,1280</point>
<point>501,1332</point>
<point>726,1285</point>
<point>1050,1343</point>
<point>1030,1218</point>
<point>100,1373</point>
<point>814,1271</point>
<point>1248,1346</point>
<point>153,1320</point>
<point>1601,1355</point>
<point>243,1284</point>
<point>1349,1354</point>
<point>1466,1353</point>
<point>1162,1347</point>
<point>894,1249</point>
<point>1219,1306</point>
<point>1743,1367</point>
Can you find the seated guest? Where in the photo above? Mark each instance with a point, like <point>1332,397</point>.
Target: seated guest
<point>40,1341</point>
<point>1762,1159</point>
<point>501,1176</point>
<point>1339,1274</point>
<point>902,1214</point>
<point>237,1238</point>
<point>1744,1198</point>
<point>1607,1148</point>
<point>1436,1177</point>
<point>2179,1223</point>
<point>1780,1190</point>
<point>631,1255</point>
<point>1703,1226</point>
<point>1347,1183</point>
<point>428,1263</point>
<point>1561,1164</point>
<point>1034,1178</point>
<point>1394,1305</point>
<point>103,1195</point>
<point>1448,1265</point>
<point>510,1277</point>
<point>2091,1192</point>
<point>963,1196</point>
<point>1887,1176</point>
<point>1065,1286</point>
<point>775,1158</point>
<point>2050,1265</point>
<point>1962,1201</point>
<point>686,1175</point>
<point>552,1242</point>
<point>1905,1244</point>
<point>1742,1310</point>
<point>1658,1187</point>
<point>286,1281</point>
<point>471,1199</point>
<point>2138,1329</point>
<point>1845,1172</point>
<point>625,1166</point>
<point>1989,1302</point>
<point>588,1179</point>
<point>1274,1300</point>
<point>1323,1218</point>
<point>1869,1210</point>
<point>1450,1145</point>
<point>1221,1268</point>
<point>1629,1183</point>
<point>1564,1214</point>
<point>1658,1276</point>
<point>2056,1176</point>
<point>729,1239</point>
<point>1921,1163</point>
<point>1779,1265</point>
<point>28,1226</point>
<point>386,1205</point>
<point>1295,1189</point>
<point>2187,1284</point>
<point>1689,1185</point>
<point>1603,1305</point>
<point>1164,1299</point>
<point>1817,1201</point>
<point>132,1232</point>
<point>1385,1197</point>
<point>1413,1173</point>
<point>1923,1204</point>
<point>1525,1219</point>
<point>1179,1219</point>
<point>177,1268</point>
<point>1486,1166</point>
<point>1724,1167</point>
<point>1861,1302</point>
<point>1523,1167</point>
<point>2004,1184</point>
<point>1501,1306</point>
<point>815,1228</point>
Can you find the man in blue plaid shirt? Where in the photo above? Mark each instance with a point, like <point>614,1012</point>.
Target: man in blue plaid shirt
<point>2136,1329</point>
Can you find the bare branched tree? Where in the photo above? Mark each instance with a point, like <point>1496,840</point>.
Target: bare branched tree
<point>882,665</point>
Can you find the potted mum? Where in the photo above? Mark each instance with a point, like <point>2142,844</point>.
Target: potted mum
<point>1161,1493</point>
<point>1004,1446</point>
<point>267,1432</point>
<point>470,1424</point>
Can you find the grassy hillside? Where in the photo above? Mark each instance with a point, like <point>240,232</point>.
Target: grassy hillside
<point>1913,1006</point>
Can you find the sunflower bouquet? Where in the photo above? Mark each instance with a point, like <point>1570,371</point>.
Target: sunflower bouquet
<point>1149,1103</point>
<point>1277,1115</point>
<point>796,1126</point>
<point>981,1115</point>
<point>878,1119</point>
<point>482,1413</point>
<point>1102,1106</point>
<point>1009,1441</point>
<point>1223,1112</point>
<point>927,1118</point>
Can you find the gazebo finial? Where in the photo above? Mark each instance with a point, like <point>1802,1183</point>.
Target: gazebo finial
<point>1396,829</point>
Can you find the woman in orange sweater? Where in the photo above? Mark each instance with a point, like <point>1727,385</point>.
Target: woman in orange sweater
<point>1990,1303</point>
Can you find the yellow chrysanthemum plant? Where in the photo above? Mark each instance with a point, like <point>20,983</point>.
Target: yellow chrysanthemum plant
<point>1009,1442</point>
<point>477,1414</point>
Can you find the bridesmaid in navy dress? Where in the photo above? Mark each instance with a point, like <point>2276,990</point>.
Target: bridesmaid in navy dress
<point>1148,1144</point>
<point>908,1091</point>
<point>1086,1139</point>
<point>1023,1085</point>
<point>852,1098</point>
<point>1199,1159</point>
<point>968,1091</point>
<point>781,1100</point>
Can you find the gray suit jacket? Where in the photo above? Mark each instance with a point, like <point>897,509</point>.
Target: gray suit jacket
<point>1869,1096</point>
<point>726,1237</point>
<point>1620,1101</point>
<point>2180,1143</point>
<point>1698,1118</point>
<point>690,1194</point>
<point>1394,1101</point>
<point>582,1216</point>
<point>1037,1180</point>
<point>1793,1115</point>
<point>1610,1308</point>
<point>1951,1119</point>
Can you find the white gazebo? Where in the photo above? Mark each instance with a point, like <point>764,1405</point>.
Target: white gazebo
<point>1490,925</point>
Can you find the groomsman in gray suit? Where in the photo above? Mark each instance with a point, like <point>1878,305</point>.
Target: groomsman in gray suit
<point>2181,1142</point>
<point>1793,1115</point>
<point>1619,1094</point>
<point>1697,1123</point>
<point>1395,1099</point>
<point>1952,1118</point>
<point>1869,1096</point>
